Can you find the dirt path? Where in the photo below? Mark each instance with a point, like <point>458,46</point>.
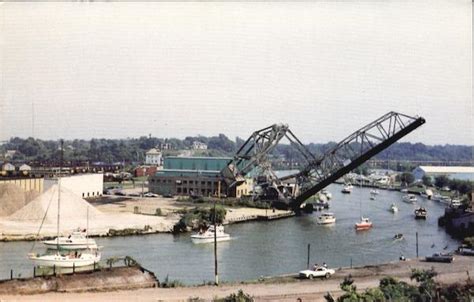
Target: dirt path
<point>307,290</point>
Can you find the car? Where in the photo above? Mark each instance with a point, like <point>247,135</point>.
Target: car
<point>319,271</point>
<point>168,195</point>
<point>134,194</point>
<point>149,194</point>
<point>440,257</point>
<point>119,193</point>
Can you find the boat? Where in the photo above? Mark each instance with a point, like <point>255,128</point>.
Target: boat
<point>410,198</point>
<point>326,193</point>
<point>440,257</point>
<point>326,218</point>
<point>70,259</point>
<point>374,192</point>
<point>363,224</point>
<point>347,189</point>
<point>372,197</point>
<point>77,240</point>
<point>437,197</point>
<point>61,258</point>
<point>398,236</point>
<point>455,203</point>
<point>207,236</point>
<point>404,190</point>
<point>463,250</point>
<point>420,213</point>
<point>393,208</point>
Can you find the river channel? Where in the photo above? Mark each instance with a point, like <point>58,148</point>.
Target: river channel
<point>277,247</point>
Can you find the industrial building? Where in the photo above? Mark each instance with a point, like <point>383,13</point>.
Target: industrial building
<point>189,176</point>
<point>458,172</point>
<point>195,176</point>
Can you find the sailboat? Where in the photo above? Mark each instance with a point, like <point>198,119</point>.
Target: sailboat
<point>60,257</point>
<point>364,223</point>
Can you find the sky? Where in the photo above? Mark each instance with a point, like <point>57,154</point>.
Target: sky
<point>118,70</point>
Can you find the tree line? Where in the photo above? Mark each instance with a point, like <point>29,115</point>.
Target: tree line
<point>133,149</point>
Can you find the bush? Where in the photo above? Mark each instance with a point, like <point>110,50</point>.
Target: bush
<point>239,297</point>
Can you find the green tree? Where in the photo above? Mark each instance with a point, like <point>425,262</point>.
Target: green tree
<point>407,177</point>
<point>441,181</point>
<point>427,181</point>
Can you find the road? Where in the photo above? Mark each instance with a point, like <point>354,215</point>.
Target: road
<point>275,289</point>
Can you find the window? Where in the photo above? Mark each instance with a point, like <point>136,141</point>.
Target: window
<point>191,182</point>
<point>185,190</point>
<point>178,190</point>
<point>82,194</point>
<point>203,183</point>
<point>87,194</point>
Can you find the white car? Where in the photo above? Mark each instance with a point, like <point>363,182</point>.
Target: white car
<point>318,272</point>
<point>149,194</point>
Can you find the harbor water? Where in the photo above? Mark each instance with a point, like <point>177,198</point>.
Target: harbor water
<point>277,247</point>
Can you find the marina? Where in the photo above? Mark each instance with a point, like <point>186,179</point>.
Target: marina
<point>256,246</point>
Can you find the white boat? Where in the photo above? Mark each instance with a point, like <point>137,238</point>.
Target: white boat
<point>410,198</point>
<point>374,192</point>
<point>363,224</point>
<point>326,218</point>
<point>437,197</point>
<point>76,241</point>
<point>455,203</point>
<point>60,258</point>
<point>347,189</point>
<point>72,259</point>
<point>393,208</point>
<point>207,236</point>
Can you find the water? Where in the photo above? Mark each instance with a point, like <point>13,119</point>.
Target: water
<point>277,247</point>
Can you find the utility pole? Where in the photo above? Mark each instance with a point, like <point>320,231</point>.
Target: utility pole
<point>216,274</point>
<point>309,251</point>
<point>416,244</point>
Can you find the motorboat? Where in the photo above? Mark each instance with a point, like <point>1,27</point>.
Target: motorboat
<point>420,213</point>
<point>347,189</point>
<point>326,218</point>
<point>410,198</point>
<point>374,192</point>
<point>207,236</point>
<point>455,203</point>
<point>393,208</point>
<point>326,193</point>
<point>372,197</point>
<point>363,224</point>
<point>71,259</point>
<point>404,190</point>
<point>437,197</point>
<point>398,236</point>
<point>76,241</point>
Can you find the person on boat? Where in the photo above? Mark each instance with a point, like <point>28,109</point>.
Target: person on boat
<point>315,266</point>
<point>402,258</point>
<point>325,265</point>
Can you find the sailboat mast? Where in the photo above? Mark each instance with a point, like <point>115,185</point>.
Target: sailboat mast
<point>59,194</point>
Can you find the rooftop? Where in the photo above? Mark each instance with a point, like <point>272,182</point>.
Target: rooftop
<point>447,169</point>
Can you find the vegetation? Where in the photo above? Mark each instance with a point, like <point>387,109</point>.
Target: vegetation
<point>406,177</point>
<point>199,217</point>
<point>390,289</point>
<point>133,150</point>
<point>462,186</point>
<point>240,296</point>
<point>167,283</point>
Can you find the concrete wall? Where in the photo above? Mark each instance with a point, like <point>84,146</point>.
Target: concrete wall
<point>83,185</point>
<point>27,184</point>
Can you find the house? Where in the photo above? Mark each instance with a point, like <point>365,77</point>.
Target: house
<point>153,157</point>
<point>199,146</point>
<point>9,154</point>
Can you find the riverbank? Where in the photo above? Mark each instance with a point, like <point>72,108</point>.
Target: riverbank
<point>283,288</point>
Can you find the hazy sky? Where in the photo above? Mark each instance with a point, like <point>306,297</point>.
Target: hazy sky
<point>121,70</point>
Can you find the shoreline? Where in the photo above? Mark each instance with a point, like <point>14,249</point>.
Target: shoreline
<point>276,288</point>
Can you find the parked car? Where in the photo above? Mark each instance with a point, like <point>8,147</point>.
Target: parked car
<point>149,194</point>
<point>119,193</point>
<point>465,251</point>
<point>168,195</point>
<point>134,194</point>
<point>317,272</point>
<point>439,257</point>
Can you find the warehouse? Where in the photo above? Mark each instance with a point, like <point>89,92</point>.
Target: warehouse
<point>457,172</point>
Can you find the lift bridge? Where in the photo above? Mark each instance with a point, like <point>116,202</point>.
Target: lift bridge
<point>253,159</point>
